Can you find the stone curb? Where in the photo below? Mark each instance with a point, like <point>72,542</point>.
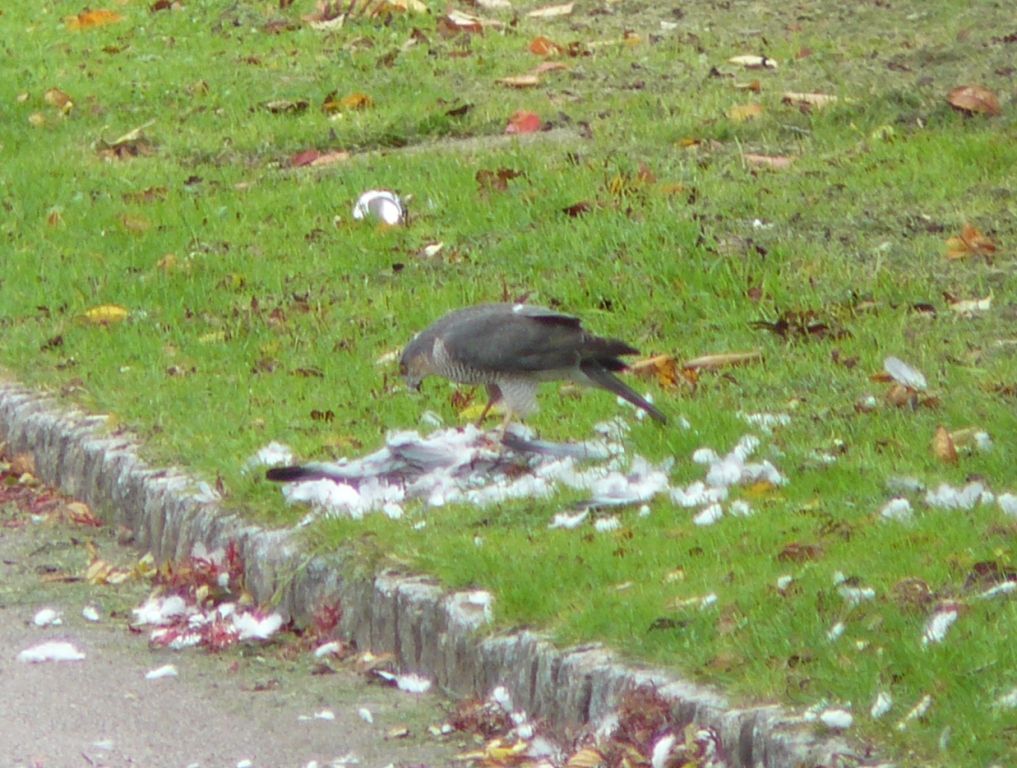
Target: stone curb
<point>431,632</point>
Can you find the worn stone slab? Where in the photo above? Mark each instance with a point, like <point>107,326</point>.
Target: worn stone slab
<point>445,636</point>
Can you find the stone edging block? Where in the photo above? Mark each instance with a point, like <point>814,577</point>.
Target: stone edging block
<point>431,632</point>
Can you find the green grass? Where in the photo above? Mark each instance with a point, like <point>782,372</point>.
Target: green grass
<point>275,304</point>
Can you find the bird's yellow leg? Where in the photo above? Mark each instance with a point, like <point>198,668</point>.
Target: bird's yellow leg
<point>493,396</point>
<point>504,427</point>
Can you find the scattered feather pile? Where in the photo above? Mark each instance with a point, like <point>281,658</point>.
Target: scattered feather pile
<point>197,603</point>
<point>54,650</point>
<point>409,683</point>
<point>465,466</point>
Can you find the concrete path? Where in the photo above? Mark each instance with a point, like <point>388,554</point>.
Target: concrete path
<point>222,709</point>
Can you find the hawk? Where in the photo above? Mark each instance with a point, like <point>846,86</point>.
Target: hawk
<point>511,349</point>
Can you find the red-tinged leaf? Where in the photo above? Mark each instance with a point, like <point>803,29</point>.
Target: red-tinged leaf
<point>971,242</point>
<point>544,47</point>
<point>79,513</point>
<point>524,122</point>
<point>307,157</point>
<point>579,209</point>
<point>496,180</point>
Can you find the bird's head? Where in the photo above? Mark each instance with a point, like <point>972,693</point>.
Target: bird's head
<point>416,363</point>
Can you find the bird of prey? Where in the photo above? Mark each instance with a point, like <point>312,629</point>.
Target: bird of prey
<point>511,349</point>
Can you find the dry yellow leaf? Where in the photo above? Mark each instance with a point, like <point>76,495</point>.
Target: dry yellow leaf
<point>137,225</point>
<point>519,81</point>
<point>817,100</point>
<point>105,314</point>
<point>970,307</point>
<point>23,464</point>
<point>167,263</point>
<point>88,19</point>
<point>551,11</point>
<point>663,369</point>
<point>751,61</point>
<point>586,758</point>
<point>97,571</point>
<point>766,161</point>
<point>357,101</point>
<point>744,112</point>
<point>145,567</point>
<point>712,362</point>
<point>760,490</point>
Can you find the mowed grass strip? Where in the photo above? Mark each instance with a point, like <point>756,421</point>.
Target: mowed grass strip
<point>677,201</point>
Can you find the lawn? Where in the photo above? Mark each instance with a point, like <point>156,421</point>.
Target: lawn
<point>173,260</point>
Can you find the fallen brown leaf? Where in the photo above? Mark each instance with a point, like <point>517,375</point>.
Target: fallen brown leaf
<point>58,99</point>
<point>79,513</point>
<point>974,100</point>
<point>912,595</point>
<point>807,101</point>
<point>578,209</point>
<point>796,552</point>
<point>496,180</point>
<point>286,106</point>
<point>313,158</point>
<point>943,447</point>
<point>766,161</point>
<point>137,225</point>
<point>970,242</point>
<point>549,66</point>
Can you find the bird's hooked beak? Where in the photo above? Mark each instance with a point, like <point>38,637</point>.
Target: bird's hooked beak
<point>412,381</point>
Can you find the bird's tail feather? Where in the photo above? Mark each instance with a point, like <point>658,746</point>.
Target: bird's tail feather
<point>604,379</point>
<point>301,474</point>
